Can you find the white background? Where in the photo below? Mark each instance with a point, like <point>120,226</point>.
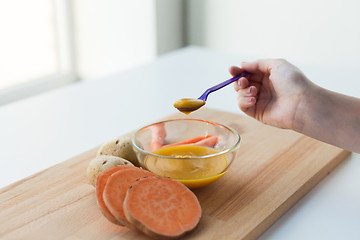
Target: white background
<point>319,32</point>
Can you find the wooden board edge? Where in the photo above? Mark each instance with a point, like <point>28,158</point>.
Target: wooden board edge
<point>302,191</point>
<point>77,158</point>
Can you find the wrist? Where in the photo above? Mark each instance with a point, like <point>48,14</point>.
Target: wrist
<point>308,99</point>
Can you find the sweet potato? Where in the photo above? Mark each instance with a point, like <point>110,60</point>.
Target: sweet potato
<point>207,142</point>
<point>161,207</point>
<point>100,185</point>
<point>102,163</point>
<point>188,141</point>
<point>158,135</point>
<point>119,147</point>
<point>116,188</point>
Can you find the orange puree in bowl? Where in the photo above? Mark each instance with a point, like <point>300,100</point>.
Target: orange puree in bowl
<point>192,172</point>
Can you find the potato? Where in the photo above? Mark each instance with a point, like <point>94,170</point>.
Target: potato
<point>101,163</point>
<point>120,147</point>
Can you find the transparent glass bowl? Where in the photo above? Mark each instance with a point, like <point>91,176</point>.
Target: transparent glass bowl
<point>194,164</point>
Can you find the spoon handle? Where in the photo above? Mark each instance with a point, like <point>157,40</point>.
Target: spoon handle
<point>221,85</point>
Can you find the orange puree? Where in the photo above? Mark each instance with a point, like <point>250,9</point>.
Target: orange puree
<point>188,105</point>
<point>192,172</point>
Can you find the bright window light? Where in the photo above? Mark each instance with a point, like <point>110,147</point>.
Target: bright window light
<point>28,41</point>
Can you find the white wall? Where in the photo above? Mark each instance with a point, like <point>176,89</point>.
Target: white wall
<point>170,25</point>
<point>112,35</point>
<point>321,32</point>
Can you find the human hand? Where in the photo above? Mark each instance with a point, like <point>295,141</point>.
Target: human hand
<point>273,92</point>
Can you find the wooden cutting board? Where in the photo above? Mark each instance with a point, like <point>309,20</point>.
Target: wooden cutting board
<point>274,169</point>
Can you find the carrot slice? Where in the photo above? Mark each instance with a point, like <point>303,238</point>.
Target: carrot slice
<point>158,135</point>
<point>188,141</point>
<point>207,142</point>
<point>100,185</point>
<point>162,207</point>
<point>116,188</point>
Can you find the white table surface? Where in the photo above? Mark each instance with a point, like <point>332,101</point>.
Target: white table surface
<point>44,130</point>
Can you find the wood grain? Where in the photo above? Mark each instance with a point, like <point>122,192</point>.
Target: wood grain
<point>273,170</point>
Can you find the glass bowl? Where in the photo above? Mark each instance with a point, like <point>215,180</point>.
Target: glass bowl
<point>192,151</point>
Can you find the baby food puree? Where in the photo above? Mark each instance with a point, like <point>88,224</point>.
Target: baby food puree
<point>193,172</point>
<point>188,105</point>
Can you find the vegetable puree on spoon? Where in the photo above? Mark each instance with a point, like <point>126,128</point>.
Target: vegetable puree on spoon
<point>188,105</point>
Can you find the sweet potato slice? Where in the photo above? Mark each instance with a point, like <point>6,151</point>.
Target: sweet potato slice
<point>188,141</point>
<point>162,207</point>
<point>100,185</point>
<point>116,188</point>
<point>207,142</point>
<point>158,135</point>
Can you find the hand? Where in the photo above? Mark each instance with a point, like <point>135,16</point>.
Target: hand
<point>272,93</point>
<point>277,93</point>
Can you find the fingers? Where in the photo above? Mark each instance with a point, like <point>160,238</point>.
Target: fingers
<point>259,66</point>
<point>264,66</point>
<point>249,87</point>
<point>244,88</point>
<point>234,71</point>
<point>247,96</point>
<point>250,91</point>
<point>247,105</point>
<point>241,84</point>
<point>258,69</point>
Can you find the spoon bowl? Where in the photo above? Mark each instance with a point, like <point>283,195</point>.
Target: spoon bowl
<point>188,105</point>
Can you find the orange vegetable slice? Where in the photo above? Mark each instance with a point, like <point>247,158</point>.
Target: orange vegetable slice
<point>188,141</point>
<point>162,207</point>
<point>207,142</point>
<point>116,188</point>
<point>100,185</point>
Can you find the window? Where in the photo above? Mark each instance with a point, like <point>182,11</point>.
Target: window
<point>48,43</point>
<point>35,47</point>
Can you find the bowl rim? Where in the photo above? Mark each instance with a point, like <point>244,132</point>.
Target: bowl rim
<point>233,147</point>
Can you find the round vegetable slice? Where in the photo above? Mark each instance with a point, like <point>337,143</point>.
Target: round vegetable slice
<point>102,163</point>
<point>162,207</point>
<point>100,185</point>
<point>116,188</point>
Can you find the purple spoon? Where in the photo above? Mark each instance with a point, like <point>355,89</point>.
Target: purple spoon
<point>188,105</point>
